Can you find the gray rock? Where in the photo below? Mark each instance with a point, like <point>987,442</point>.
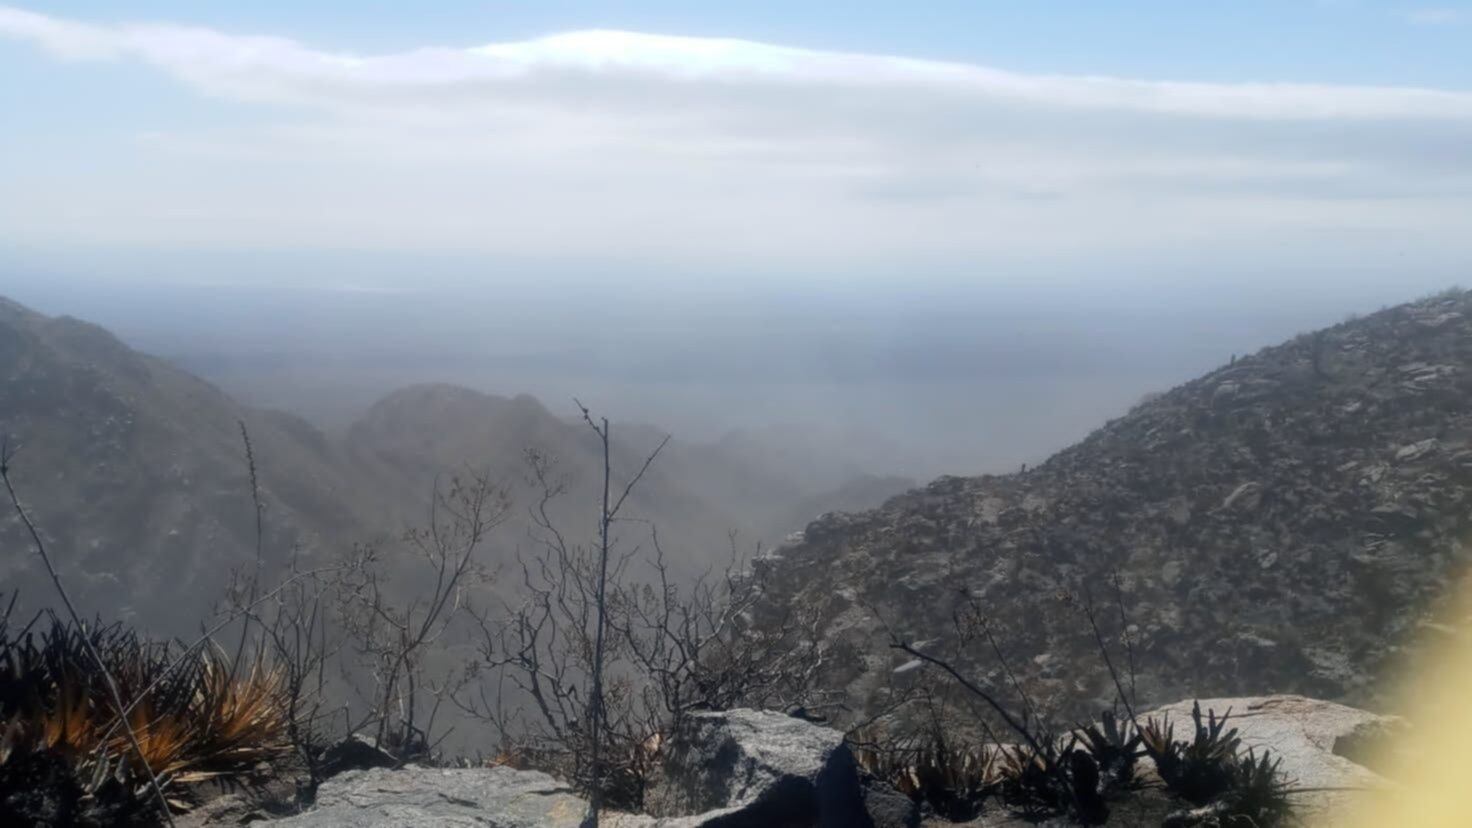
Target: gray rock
<point>1246,497</point>
<point>1417,450</point>
<point>416,797</point>
<point>357,752</point>
<point>1225,393</point>
<point>1309,736</point>
<point>746,767</point>
<point>888,808</point>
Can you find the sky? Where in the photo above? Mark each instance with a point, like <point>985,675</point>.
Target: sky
<point>978,229</point>
<point>782,141</point>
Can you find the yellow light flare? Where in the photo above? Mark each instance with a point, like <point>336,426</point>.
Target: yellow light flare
<point>1431,763</point>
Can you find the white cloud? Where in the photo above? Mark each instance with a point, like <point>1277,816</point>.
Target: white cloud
<point>625,144</point>
<point>267,68</point>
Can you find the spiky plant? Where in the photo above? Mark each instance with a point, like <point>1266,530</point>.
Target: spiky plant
<point>953,779</point>
<point>239,722</point>
<point>193,720</point>
<point>1157,736</point>
<point>68,724</point>
<point>1114,745</point>
<point>1258,793</point>
<point>51,768</point>
<point>163,738</point>
<point>1199,770</point>
<point>1032,778</point>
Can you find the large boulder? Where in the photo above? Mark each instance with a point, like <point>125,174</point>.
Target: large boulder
<point>1322,745</point>
<point>756,768</point>
<point>416,797</point>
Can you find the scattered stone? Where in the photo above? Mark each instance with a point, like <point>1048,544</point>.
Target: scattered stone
<point>1246,497</point>
<point>1415,451</point>
<point>1225,393</point>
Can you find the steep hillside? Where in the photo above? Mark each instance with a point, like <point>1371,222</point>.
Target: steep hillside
<point>1283,524</point>
<point>137,474</point>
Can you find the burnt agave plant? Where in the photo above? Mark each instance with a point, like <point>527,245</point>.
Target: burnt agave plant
<point>1114,745</point>
<point>1200,770</point>
<point>1258,794</point>
<point>64,754</point>
<point>954,780</point>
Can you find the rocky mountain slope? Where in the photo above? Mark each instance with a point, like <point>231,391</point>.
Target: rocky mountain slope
<point>136,471</point>
<point>1283,524</point>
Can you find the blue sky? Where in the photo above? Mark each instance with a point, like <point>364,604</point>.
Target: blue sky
<point>772,137</point>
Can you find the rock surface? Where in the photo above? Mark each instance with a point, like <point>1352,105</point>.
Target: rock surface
<point>747,769</point>
<point>760,768</point>
<point>721,770</point>
<point>1284,524</point>
<point>1309,736</point>
<point>416,797</point>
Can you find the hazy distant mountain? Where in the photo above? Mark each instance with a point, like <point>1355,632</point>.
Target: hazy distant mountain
<point>1282,524</point>
<point>695,493</point>
<point>137,472</point>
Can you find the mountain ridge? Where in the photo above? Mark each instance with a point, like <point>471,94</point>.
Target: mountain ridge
<point>1285,523</point>
<point>136,471</point>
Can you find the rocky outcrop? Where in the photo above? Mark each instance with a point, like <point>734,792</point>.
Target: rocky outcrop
<point>1283,524</point>
<point>720,770</point>
<point>416,797</point>
<point>1321,744</point>
<point>747,767</point>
